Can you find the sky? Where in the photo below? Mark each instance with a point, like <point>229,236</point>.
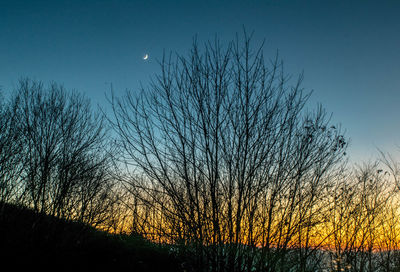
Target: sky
<point>349,51</point>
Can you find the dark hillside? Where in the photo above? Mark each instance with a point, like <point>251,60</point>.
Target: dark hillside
<point>28,239</point>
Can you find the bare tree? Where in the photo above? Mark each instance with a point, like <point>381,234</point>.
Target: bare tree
<point>358,218</point>
<point>10,154</point>
<point>389,237</point>
<point>65,154</point>
<point>224,157</point>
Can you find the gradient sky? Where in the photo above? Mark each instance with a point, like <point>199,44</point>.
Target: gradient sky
<point>349,50</point>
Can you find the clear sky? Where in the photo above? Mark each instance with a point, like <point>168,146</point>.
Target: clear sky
<point>349,50</point>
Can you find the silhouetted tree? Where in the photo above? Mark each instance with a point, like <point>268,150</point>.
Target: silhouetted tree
<point>65,155</point>
<point>358,218</point>
<point>224,158</point>
<point>10,153</point>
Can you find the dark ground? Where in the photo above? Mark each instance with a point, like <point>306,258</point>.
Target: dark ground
<point>30,240</point>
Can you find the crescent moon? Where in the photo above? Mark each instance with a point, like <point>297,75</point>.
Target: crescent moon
<point>146,56</point>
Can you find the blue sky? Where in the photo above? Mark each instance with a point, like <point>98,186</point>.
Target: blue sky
<point>349,51</point>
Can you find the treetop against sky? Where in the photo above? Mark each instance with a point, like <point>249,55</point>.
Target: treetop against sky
<point>348,50</point>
